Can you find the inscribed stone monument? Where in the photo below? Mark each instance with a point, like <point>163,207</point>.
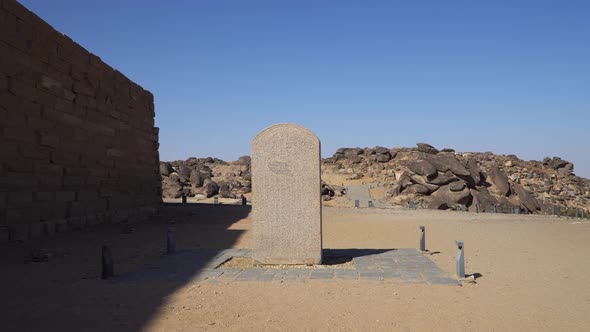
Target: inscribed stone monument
<point>286,203</point>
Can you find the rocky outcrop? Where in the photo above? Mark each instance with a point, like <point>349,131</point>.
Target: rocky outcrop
<point>205,177</point>
<point>423,175</point>
<point>449,180</point>
<point>499,181</point>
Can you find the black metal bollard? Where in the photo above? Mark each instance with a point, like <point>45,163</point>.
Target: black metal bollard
<point>170,242</point>
<point>183,199</point>
<point>244,201</point>
<point>370,204</point>
<point>108,268</point>
<point>422,238</point>
<point>460,259</point>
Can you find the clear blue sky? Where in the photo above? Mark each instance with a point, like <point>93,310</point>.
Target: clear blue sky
<point>512,77</point>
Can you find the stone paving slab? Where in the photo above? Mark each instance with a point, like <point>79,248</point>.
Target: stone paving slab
<point>406,265</point>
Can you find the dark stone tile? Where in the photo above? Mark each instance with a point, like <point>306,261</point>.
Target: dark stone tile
<point>321,274</point>
<point>371,275</point>
<point>249,275</point>
<point>346,274</point>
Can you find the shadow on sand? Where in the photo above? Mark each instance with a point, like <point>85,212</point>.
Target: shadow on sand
<point>65,292</point>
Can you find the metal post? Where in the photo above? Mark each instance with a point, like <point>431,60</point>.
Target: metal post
<point>370,204</point>
<point>244,201</point>
<point>357,203</point>
<point>108,269</point>
<point>183,199</point>
<point>422,238</point>
<point>170,242</point>
<point>215,200</point>
<point>460,259</point>
<point>494,209</point>
<point>477,208</point>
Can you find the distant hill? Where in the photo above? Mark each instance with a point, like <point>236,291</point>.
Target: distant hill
<point>421,176</point>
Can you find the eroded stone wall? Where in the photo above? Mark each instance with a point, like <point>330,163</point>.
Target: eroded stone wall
<point>78,146</point>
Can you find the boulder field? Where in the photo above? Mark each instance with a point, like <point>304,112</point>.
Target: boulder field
<point>422,176</point>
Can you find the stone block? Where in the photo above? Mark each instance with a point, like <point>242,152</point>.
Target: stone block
<point>15,119</point>
<point>18,232</point>
<point>4,234</point>
<point>16,181</point>
<point>30,108</point>
<point>67,159</point>
<point>286,196</point>
<point>49,181</point>
<point>19,135</point>
<point>76,223</point>
<point>73,181</point>
<point>83,88</point>
<point>48,169</point>
<point>37,230</point>
<point>61,226</point>
<point>39,123</point>
<point>20,198</point>
<point>8,150</point>
<point>19,165</point>
<point>87,196</point>
<point>49,228</point>
<point>76,209</point>
<point>3,199</point>
<point>49,140</point>
<point>44,196</point>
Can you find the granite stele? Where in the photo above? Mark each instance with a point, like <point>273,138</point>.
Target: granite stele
<point>287,210</point>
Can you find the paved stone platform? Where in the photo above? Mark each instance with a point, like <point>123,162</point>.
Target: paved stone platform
<point>203,265</point>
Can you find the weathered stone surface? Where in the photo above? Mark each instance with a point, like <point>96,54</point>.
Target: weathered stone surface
<point>526,199</point>
<point>457,186</point>
<point>434,203</point>
<point>209,189</point>
<point>546,184</point>
<point>422,167</point>
<point>166,169</point>
<point>443,178</point>
<point>448,196</point>
<point>483,198</point>
<point>499,181</point>
<point>555,162</point>
<point>286,196</point>
<point>421,181</point>
<point>427,148</point>
<point>447,162</point>
<point>383,158</point>
<point>77,135</point>
<point>474,171</point>
<point>196,178</point>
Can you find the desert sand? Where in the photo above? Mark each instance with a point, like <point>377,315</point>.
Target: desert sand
<point>533,274</point>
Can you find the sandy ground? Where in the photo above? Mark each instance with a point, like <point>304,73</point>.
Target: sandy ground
<point>535,275</point>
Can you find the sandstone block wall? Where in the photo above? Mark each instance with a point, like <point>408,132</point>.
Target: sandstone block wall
<point>78,145</point>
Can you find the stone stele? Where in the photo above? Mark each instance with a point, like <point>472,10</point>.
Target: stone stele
<point>287,208</point>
